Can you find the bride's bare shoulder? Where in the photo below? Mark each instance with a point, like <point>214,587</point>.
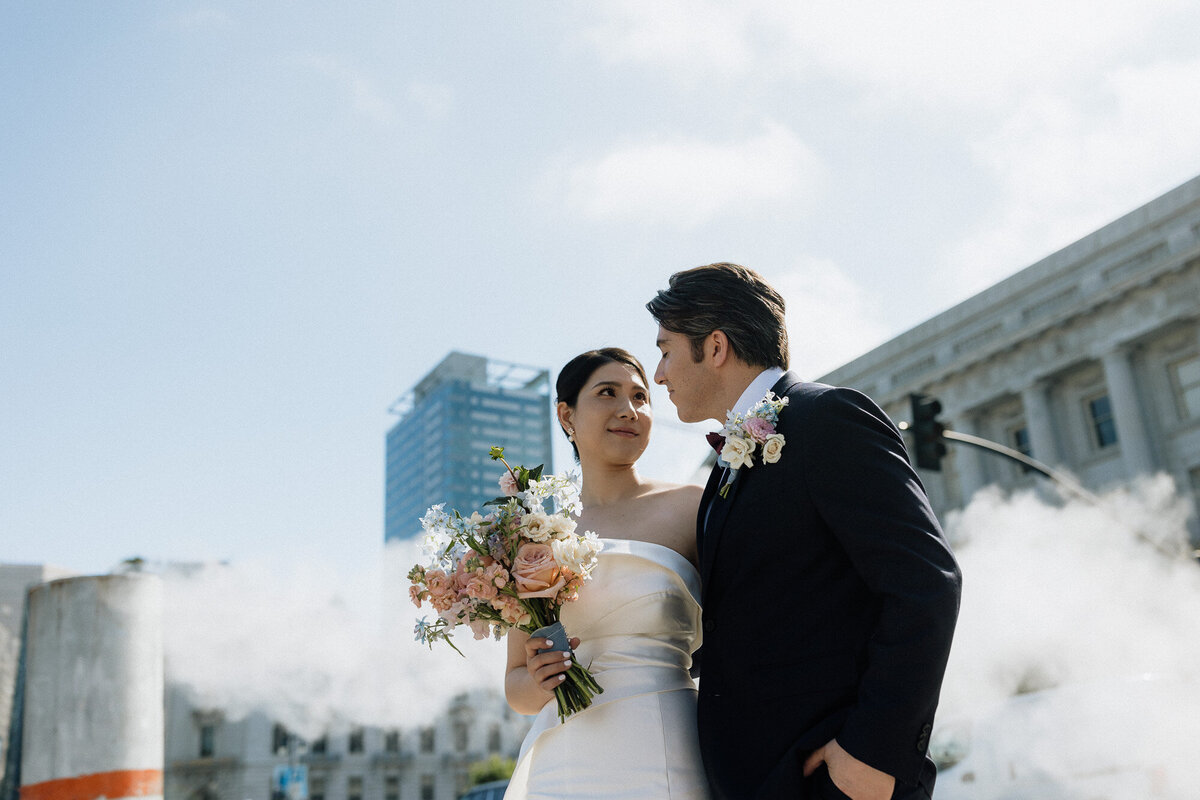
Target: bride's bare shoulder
<point>675,498</point>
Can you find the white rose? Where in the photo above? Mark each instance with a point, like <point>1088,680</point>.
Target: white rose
<point>577,554</point>
<point>772,447</point>
<point>562,525</point>
<point>536,526</point>
<point>737,452</point>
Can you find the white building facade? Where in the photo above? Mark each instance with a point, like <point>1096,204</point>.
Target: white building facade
<point>1088,360</point>
<point>210,757</point>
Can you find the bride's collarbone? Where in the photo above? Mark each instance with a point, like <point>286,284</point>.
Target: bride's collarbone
<point>639,530</point>
<point>630,520</point>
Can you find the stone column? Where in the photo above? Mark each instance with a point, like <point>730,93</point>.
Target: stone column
<point>1040,423</point>
<point>1127,413</point>
<point>968,461</point>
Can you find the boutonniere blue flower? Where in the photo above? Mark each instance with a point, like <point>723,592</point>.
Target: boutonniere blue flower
<point>751,433</point>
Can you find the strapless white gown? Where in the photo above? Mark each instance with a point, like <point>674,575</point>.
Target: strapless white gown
<point>638,620</point>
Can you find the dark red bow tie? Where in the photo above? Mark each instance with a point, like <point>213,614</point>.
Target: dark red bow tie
<point>716,440</point>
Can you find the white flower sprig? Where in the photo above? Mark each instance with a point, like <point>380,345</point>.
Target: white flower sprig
<point>744,434</point>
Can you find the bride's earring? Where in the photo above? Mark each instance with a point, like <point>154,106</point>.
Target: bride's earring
<point>570,434</point>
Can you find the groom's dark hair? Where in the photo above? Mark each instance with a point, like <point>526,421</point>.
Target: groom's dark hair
<point>732,299</point>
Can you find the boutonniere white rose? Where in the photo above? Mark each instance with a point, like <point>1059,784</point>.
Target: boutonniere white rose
<point>751,433</point>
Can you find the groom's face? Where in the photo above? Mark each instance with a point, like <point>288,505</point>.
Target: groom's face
<point>689,383</point>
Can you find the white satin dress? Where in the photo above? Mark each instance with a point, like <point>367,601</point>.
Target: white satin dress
<point>638,621</point>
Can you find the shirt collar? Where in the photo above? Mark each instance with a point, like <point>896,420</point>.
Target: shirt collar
<point>758,389</point>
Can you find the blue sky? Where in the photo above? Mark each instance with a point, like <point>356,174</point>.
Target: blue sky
<point>233,234</point>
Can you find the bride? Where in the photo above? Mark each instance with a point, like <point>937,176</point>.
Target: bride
<point>636,621</point>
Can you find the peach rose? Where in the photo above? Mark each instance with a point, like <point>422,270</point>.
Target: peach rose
<point>535,571</point>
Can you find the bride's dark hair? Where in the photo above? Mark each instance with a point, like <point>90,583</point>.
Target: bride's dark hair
<point>576,372</point>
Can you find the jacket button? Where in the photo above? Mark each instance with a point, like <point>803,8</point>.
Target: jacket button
<point>710,625</point>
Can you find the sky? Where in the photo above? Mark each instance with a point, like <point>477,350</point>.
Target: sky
<point>233,234</point>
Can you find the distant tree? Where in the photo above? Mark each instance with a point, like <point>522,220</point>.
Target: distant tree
<point>492,768</point>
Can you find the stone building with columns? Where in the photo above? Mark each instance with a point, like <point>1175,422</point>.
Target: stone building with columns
<point>1088,360</point>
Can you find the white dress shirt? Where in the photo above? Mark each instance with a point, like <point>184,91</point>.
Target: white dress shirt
<point>757,389</point>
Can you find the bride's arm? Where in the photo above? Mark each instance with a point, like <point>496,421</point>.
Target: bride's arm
<point>529,679</point>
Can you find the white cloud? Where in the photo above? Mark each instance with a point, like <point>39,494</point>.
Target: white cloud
<point>313,647</point>
<point>690,39</point>
<point>980,55</point>
<point>1063,169</point>
<point>831,318</point>
<point>689,182</point>
<point>922,53</point>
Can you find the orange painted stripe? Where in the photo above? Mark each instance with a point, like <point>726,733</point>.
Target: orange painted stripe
<point>122,783</point>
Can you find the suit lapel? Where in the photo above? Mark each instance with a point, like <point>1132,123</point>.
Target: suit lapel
<point>718,513</point>
<point>722,507</point>
<point>710,491</point>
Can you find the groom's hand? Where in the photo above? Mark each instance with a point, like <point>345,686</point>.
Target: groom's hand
<point>857,779</point>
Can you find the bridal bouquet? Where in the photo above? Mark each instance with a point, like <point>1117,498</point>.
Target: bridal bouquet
<point>511,568</point>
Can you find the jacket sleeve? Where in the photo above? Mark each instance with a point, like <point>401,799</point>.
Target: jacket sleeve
<point>873,502</point>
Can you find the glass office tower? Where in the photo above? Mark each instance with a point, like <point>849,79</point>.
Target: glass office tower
<point>438,451</point>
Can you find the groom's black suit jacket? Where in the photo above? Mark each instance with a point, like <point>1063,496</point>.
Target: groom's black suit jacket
<point>830,597</point>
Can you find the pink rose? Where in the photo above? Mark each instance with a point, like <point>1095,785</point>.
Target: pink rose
<point>416,594</point>
<point>535,571</point>
<point>759,429</point>
<point>508,484</point>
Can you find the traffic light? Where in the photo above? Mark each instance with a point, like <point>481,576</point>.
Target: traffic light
<point>928,445</point>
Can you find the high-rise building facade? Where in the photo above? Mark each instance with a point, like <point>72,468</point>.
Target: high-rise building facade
<point>438,451</point>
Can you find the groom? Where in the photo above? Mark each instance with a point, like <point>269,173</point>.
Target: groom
<point>829,592</point>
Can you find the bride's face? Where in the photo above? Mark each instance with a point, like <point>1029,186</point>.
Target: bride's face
<point>612,417</point>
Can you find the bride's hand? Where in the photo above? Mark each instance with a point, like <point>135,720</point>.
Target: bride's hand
<point>549,669</point>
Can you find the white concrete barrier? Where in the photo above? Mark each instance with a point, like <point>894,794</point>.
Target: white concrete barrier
<point>94,690</point>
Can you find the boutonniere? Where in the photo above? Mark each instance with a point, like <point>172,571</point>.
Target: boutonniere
<point>744,435</point>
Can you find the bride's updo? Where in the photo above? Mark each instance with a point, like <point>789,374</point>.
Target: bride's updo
<point>573,376</point>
